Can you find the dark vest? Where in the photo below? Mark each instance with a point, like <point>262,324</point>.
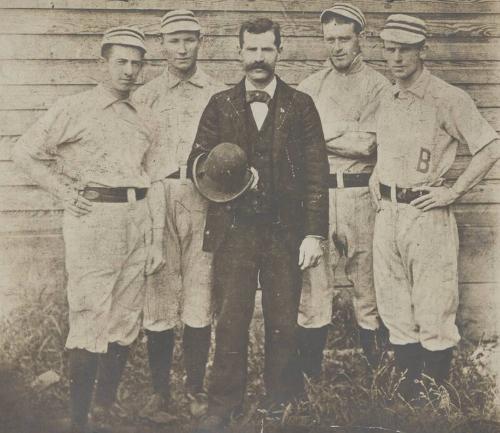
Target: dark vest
<point>260,202</point>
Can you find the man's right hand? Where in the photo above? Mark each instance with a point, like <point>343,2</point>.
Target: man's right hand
<point>77,205</point>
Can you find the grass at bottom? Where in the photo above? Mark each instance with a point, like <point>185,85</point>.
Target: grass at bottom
<point>348,394</point>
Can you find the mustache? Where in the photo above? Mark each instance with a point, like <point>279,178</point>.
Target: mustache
<point>258,65</point>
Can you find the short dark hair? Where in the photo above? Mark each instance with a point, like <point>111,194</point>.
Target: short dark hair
<point>339,19</point>
<point>261,25</point>
<point>106,50</point>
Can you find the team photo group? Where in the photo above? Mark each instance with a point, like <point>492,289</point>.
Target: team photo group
<point>185,197</point>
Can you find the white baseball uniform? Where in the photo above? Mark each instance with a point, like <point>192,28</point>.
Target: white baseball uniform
<point>345,101</point>
<point>415,252</point>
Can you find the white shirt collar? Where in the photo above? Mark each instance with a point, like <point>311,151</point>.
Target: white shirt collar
<point>270,89</point>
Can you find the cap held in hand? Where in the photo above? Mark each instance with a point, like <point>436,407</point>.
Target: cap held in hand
<point>223,174</point>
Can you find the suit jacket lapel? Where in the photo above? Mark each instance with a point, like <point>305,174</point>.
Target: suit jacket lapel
<point>284,101</point>
<point>237,104</point>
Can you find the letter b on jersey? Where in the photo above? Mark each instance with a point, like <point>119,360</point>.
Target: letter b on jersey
<point>424,160</point>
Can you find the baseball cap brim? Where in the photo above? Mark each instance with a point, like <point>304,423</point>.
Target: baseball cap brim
<point>181,26</point>
<point>211,190</point>
<point>401,36</point>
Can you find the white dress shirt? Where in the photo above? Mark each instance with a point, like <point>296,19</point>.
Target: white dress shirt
<point>260,109</point>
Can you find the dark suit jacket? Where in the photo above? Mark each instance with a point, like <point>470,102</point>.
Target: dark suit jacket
<point>300,164</point>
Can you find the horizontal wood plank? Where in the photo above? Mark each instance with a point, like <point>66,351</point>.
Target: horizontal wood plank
<point>86,47</point>
<point>28,97</point>
<point>403,6</point>
<point>293,23</point>
<point>80,72</point>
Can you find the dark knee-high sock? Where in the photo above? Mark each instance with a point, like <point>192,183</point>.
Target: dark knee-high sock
<point>160,353</point>
<point>438,364</point>
<point>312,343</point>
<point>82,374</point>
<point>196,344</point>
<point>110,371</point>
<point>409,358</point>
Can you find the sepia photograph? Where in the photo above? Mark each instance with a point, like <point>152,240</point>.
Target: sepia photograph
<point>249,216</point>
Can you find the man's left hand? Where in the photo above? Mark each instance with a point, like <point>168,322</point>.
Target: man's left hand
<point>436,196</point>
<point>310,252</point>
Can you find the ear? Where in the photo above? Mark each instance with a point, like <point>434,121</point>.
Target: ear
<point>423,52</point>
<point>362,35</point>
<point>280,49</point>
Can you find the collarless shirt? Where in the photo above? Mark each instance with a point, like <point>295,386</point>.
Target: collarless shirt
<point>178,105</point>
<point>419,129</point>
<point>96,139</point>
<point>346,101</point>
<point>260,109</point>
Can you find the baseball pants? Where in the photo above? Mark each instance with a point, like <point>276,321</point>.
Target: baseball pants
<point>350,235</point>
<point>105,258</point>
<point>182,289</point>
<point>416,279</point>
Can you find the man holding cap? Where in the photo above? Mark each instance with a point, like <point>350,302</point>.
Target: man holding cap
<point>182,290</point>
<point>346,93</point>
<point>419,126</point>
<point>269,233</point>
<point>105,150</point>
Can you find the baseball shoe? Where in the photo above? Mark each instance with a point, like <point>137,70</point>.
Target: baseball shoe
<point>156,410</point>
<point>210,424</point>
<point>198,403</point>
<point>106,419</point>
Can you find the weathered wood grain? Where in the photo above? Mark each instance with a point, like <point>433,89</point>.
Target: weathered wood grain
<point>293,23</point>
<point>403,6</point>
<point>78,72</point>
<point>71,47</point>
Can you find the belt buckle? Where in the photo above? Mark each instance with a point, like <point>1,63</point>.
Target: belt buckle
<point>90,194</point>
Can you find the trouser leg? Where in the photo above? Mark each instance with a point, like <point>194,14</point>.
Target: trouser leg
<point>110,370</point>
<point>82,374</point>
<point>409,362</point>
<point>281,284</point>
<point>370,344</point>
<point>196,344</point>
<point>235,274</point>
<point>160,351</point>
<point>312,343</point>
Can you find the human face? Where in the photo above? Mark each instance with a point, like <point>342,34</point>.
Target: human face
<point>404,61</point>
<point>124,64</point>
<point>342,42</point>
<point>259,55</point>
<point>181,49</point>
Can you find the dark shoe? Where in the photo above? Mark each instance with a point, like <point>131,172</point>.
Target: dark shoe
<point>156,411</point>
<point>198,404</point>
<point>106,419</point>
<point>272,410</point>
<point>210,424</point>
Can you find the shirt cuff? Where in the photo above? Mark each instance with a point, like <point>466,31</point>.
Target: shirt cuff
<point>316,237</point>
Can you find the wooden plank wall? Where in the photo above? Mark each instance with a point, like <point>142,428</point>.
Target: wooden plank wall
<point>49,49</point>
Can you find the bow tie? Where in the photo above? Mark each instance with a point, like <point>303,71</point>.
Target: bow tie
<point>257,96</point>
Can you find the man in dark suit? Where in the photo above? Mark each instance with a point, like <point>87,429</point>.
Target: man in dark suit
<point>271,232</point>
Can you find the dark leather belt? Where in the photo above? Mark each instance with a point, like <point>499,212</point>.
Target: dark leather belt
<point>403,195</point>
<point>112,195</point>
<point>177,175</point>
<point>351,180</point>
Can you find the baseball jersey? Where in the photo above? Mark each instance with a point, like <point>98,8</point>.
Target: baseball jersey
<point>96,139</point>
<point>179,105</point>
<point>345,102</point>
<point>418,131</point>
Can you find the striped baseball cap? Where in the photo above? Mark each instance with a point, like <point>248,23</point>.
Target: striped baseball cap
<point>404,29</point>
<point>180,20</point>
<point>345,10</point>
<point>124,35</point>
